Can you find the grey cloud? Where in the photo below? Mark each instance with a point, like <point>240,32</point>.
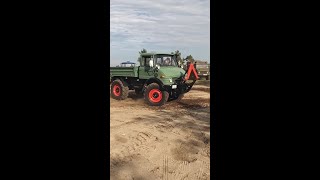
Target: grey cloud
<point>159,24</point>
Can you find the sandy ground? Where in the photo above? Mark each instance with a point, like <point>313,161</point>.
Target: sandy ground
<point>168,142</point>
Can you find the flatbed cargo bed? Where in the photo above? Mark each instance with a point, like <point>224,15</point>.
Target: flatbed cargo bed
<point>124,71</point>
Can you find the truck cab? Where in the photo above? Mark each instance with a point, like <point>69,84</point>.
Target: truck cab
<point>161,66</point>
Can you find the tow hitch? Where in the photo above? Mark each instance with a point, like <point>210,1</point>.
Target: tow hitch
<point>191,74</point>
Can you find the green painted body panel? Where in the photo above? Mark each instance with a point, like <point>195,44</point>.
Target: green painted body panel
<point>170,72</point>
<point>166,74</point>
<point>124,71</point>
<point>145,73</point>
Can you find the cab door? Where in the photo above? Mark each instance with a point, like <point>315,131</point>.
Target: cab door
<point>145,71</point>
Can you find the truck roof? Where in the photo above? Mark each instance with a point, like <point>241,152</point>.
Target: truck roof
<point>155,53</point>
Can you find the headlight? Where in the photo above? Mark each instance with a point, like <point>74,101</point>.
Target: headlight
<point>170,80</point>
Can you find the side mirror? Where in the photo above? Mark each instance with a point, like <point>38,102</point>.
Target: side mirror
<point>151,63</point>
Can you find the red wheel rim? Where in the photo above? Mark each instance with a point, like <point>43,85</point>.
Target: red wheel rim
<point>116,90</point>
<point>155,95</point>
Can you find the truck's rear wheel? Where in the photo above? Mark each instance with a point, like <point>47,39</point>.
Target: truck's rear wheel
<point>119,90</point>
<point>154,96</point>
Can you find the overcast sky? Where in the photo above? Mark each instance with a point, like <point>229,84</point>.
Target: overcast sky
<point>159,25</point>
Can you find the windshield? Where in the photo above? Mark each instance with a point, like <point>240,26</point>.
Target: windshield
<point>166,60</point>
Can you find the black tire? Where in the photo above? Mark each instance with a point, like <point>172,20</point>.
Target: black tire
<point>119,90</point>
<point>166,96</point>
<point>177,98</point>
<point>154,96</point>
<point>180,97</point>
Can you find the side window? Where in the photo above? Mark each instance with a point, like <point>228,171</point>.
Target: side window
<point>142,61</point>
<point>146,61</point>
<point>159,61</point>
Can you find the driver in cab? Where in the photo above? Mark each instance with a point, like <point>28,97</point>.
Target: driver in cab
<point>167,61</point>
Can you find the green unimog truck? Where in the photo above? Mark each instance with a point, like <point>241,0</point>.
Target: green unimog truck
<point>203,69</point>
<point>158,78</point>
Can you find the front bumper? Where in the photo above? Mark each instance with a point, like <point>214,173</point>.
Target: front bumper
<point>179,87</point>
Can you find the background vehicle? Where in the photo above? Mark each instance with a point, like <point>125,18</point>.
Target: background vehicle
<point>127,64</point>
<point>203,69</point>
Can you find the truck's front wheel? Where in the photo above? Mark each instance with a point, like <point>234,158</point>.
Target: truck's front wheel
<point>154,96</point>
<point>119,90</point>
<point>177,97</point>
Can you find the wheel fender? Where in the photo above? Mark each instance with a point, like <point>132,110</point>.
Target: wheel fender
<point>153,80</point>
<point>121,79</point>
